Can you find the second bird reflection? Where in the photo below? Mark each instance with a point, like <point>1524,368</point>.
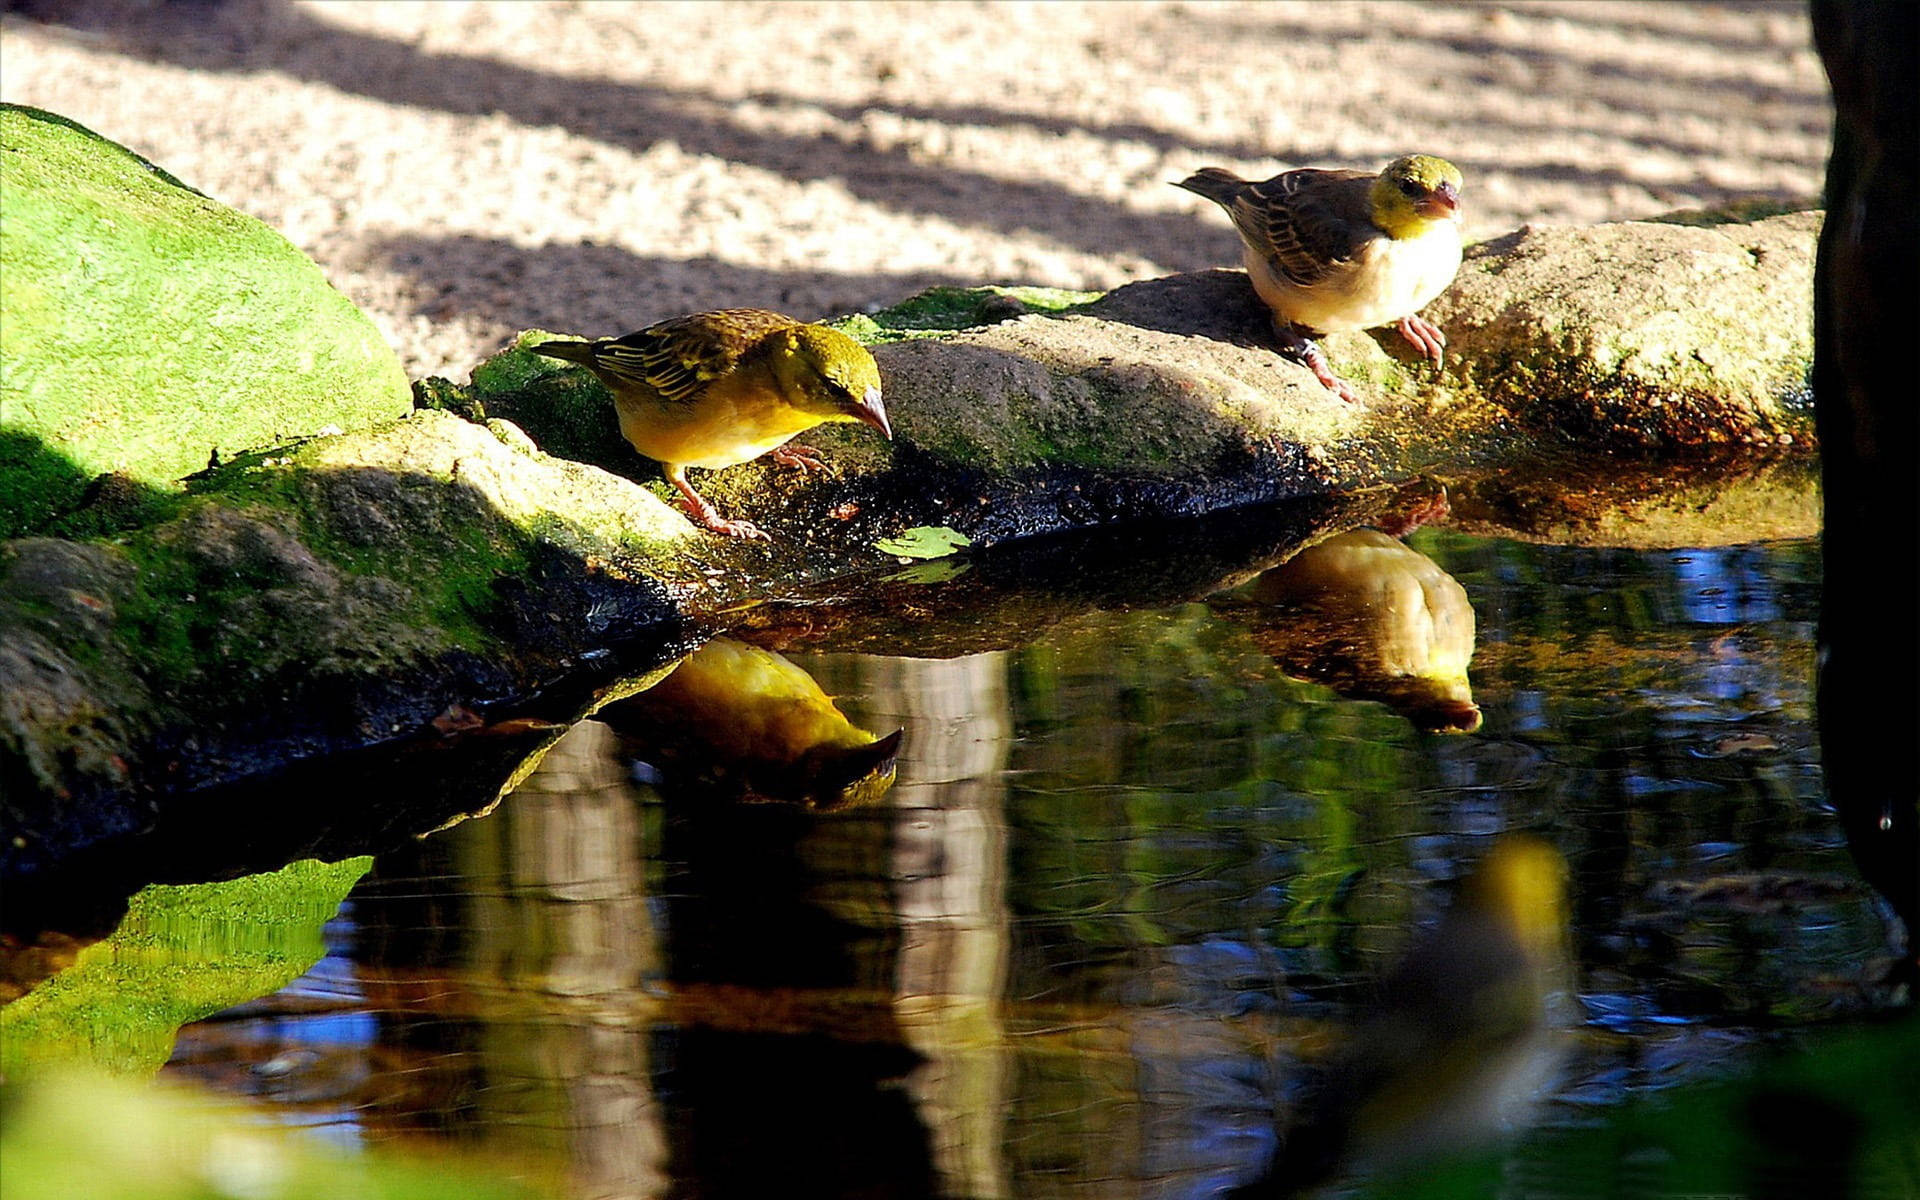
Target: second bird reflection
<point>1465,1035</point>
<point>754,726</point>
<point>1374,619</point>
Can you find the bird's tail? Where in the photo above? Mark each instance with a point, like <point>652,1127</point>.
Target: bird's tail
<point>580,352</point>
<point>1215,183</point>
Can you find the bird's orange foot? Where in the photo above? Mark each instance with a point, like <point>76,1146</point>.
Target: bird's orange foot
<point>1425,336</point>
<point>800,458</point>
<point>708,517</point>
<point>1303,350</point>
<point>739,529</point>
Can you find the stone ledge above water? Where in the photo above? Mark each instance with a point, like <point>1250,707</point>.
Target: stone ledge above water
<point>425,580</point>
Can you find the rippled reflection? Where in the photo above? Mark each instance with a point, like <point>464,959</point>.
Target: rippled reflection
<point>1116,925</point>
<point>1464,1038</point>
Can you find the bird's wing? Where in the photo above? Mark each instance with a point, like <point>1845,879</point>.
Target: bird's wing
<point>1306,222</point>
<point>678,358</point>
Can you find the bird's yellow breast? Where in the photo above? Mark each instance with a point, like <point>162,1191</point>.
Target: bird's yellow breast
<point>733,421</point>
<point>1389,279</point>
<point>754,705</point>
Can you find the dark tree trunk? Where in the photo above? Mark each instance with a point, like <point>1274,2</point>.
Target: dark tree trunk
<point>1866,398</point>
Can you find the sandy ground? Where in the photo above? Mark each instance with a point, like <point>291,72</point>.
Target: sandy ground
<point>464,170</point>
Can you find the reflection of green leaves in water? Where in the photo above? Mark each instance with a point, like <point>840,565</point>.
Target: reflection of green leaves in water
<point>1139,731</point>
<point>181,953</point>
<point>937,570</point>
<point>924,541</point>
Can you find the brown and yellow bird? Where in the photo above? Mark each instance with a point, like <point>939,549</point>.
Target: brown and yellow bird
<point>719,388</point>
<point>1332,251</point>
<point>750,723</point>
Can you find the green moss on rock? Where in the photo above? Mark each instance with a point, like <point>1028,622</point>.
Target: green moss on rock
<point>948,309</point>
<point>150,328</point>
<point>383,547</point>
<point>1643,334</point>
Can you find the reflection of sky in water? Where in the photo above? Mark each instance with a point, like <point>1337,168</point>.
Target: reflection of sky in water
<point>313,1037</point>
<point>1723,585</point>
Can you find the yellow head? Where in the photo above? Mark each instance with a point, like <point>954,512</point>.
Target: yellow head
<point>1521,885</point>
<point>825,372</point>
<point>1414,194</point>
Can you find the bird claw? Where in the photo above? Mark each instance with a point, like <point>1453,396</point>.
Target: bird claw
<point>708,517</point>
<point>1335,384</point>
<point>1425,336</point>
<point>739,529</point>
<point>1310,355</point>
<point>800,458</point>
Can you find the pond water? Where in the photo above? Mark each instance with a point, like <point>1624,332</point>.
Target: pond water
<point>1132,885</point>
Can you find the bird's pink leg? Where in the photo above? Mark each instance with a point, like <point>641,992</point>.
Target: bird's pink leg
<point>1304,351</point>
<point>1425,336</point>
<point>800,458</point>
<point>707,515</point>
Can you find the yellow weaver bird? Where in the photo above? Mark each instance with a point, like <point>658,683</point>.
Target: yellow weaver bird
<point>719,388</point>
<point>1332,251</point>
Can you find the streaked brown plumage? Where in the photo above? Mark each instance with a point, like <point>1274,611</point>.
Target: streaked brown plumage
<point>718,388</point>
<point>1332,251</point>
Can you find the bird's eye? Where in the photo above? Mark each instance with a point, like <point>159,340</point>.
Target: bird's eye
<point>1412,188</point>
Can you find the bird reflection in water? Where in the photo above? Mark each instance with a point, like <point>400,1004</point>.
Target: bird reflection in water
<point>1465,1034</point>
<point>749,723</point>
<point>1373,619</point>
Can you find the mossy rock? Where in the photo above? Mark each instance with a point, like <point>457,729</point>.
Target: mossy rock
<point>1640,335</point>
<point>317,599</point>
<point>150,328</point>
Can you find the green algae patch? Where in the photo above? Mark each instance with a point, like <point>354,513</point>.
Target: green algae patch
<point>181,953</point>
<point>949,309</point>
<point>151,329</point>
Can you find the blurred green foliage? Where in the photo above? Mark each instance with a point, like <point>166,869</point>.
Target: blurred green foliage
<point>1836,1115</point>
<point>78,1134</point>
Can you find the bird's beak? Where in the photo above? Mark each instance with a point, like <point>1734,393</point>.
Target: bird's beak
<point>1441,202</point>
<point>871,412</point>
